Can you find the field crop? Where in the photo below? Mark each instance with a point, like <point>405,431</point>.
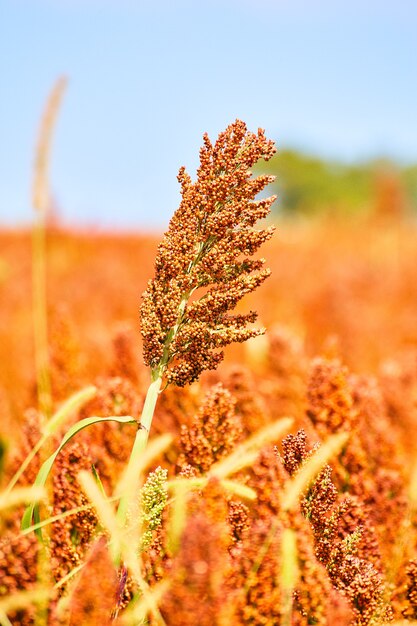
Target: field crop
<point>278,486</point>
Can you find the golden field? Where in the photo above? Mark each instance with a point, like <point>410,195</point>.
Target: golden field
<point>339,356</point>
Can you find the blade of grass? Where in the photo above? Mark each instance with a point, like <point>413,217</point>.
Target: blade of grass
<point>40,200</point>
<point>129,480</point>
<point>243,491</point>
<point>309,470</point>
<point>63,515</point>
<point>289,573</point>
<point>69,407</point>
<point>246,453</point>
<point>4,620</point>
<point>98,480</point>
<point>119,543</point>
<point>24,599</point>
<point>178,513</point>
<point>68,576</point>
<point>32,511</point>
<point>103,508</point>
<point>128,486</point>
<point>139,611</point>
<point>201,481</point>
<point>20,496</point>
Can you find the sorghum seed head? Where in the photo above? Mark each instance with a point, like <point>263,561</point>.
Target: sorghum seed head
<point>207,246</point>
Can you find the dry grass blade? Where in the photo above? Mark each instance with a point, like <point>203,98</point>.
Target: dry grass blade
<point>4,620</point>
<point>178,514</point>
<point>32,511</point>
<point>246,453</point>
<point>40,199</point>
<point>295,487</point>
<point>130,480</point>
<point>128,486</point>
<point>103,509</point>
<point>138,613</point>
<point>232,486</point>
<point>69,407</point>
<point>120,543</point>
<point>61,516</point>
<point>40,196</point>
<point>21,496</point>
<point>237,489</point>
<point>62,581</point>
<point>23,599</point>
<point>412,490</point>
<point>74,403</point>
<point>289,573</point>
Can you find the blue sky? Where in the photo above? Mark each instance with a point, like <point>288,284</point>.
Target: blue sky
<point>147,79</point>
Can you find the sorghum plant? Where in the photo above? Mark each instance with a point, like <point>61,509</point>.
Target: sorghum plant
<point>210,239</point>
<point>202,270</point>
<point>203,267</point>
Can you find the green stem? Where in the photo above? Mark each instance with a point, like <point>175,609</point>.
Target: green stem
<point>139,445</point>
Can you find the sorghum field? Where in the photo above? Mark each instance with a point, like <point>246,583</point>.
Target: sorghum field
<point>278,486</point>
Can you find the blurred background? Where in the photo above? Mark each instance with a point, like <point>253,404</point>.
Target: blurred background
<point>334,83</point>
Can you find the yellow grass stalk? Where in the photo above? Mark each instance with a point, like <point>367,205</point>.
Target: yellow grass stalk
<point>21,495</point>
<point>104,509</point>
<point>40,192</point>
<point>309,470</point>
<point>256,352</point>
<point>200,482</point>
<point>138,613</point>
<point>4,620</point>
<point>289,574</point>
<point>120,542</point>
<point>69,576</point>
<point>246,453</point>
<point>63,515</point>
<point>40,201</point>
<point>237,489</point>
<point>68,408</point>
<point>178,513</point>
<point>128,486</point>
<point>23,599</point>
<point>412,489</point>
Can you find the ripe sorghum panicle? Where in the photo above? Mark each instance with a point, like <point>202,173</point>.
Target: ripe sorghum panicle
<point>213,433</point>
<point>207,247</point>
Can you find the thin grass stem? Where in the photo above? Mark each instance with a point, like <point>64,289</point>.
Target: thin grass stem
<point>40,200</point>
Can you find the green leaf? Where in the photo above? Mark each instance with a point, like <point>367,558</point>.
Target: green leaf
<point>74,403</point>
<point>32,511</point>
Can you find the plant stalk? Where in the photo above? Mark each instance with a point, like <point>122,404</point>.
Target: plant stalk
<point>40,319</point>
<point>139,445</point>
